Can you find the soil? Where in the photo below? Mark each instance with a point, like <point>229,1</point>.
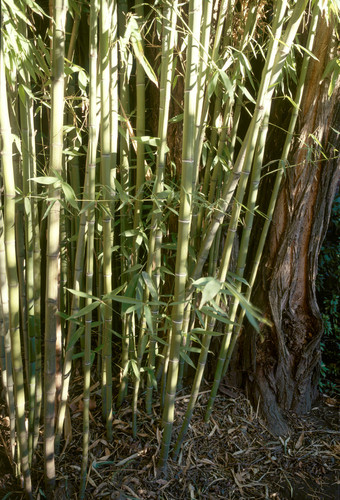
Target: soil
<point>234,456</point>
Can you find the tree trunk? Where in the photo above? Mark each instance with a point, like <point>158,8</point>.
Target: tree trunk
<point>284,367</point>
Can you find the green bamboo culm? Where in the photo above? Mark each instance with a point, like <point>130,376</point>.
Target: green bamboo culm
<point>90,196</point>
<point>105,180</point>
<point>125,181</point>
<point>169,17</point>
<point>53,236</point>
<point>140,132</point>
<point>26,108</point>
<point>156,234</point>
<point>184,222</point>
<point>110,190</point>
<point>140,179</point>
<point>37,278</point>
<point>5,345</point>
<point>13,283</point>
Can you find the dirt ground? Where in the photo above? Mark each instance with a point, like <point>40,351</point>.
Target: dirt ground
<point>234,456</point>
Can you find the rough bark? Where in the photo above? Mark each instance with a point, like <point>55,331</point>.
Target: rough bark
<point>285,365</point>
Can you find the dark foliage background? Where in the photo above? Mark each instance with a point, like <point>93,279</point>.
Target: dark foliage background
<point>328,287</point>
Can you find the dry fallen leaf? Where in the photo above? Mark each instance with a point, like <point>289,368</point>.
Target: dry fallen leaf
<point>299,442</point>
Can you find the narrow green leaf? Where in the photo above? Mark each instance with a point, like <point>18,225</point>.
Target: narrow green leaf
<point>177,118</point>
<point>148,318</point>
<point>139,53</point>
<point>84,295</point>
<point>85,310</point>
<point>187,359</point>
<point>70,195</point>
<point>74,338</point>
<point>246,92</point>
<point>210,290</point>
<point>46,180</point>
<point>134,365</point>
<point>124,300</point>
<point>150,284</point>
<point>202,331</point>
<point>227,83</point>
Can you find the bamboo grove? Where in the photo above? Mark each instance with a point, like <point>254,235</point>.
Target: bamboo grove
<point>123,251</point>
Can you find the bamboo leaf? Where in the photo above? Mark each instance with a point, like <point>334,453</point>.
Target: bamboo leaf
<point>202,331</point>
<point>177,118</point>
<point>160,340</point>
<point>246,92</point>
<point>74,338</point>
<point>137,46</point>
<point>148,318</point>
<point>115,291</point>
<point>124,300</point>
<point>135,308</point>
<point>82,81</point>
<point>252,320</point>
<point>70,195</point>
<point>210,290</point>
<point>84,295</point>
<point>227,83</point>
<point>27,206</point>
<point>85,310</point>
<point>134,268</point>
<point>187,359</point>
<point>134,365</point>
<point>212,84</point>
<point>46,180</point>
<point>149,283</point>
<point>211,313</point>
<point>147,139</point>
<point>153,379</point>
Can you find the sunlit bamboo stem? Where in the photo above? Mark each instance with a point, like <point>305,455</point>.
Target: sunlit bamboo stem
<point>184,221</point>
<point>105,175</point>
<point>155,239</point>
<point>91,189</point>
<point>125,179</point>
<point>52,323</point>
<point>6,365</point>
<point>12,276</point>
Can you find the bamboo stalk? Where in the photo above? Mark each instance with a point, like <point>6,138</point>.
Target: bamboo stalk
<point>13,284</point>
<point>52,324</point>
<point>37,278</point>
<point>140,179</point>
<point>113,93</point>
<point>105,174</point>
<point>6,368</point>
<point>91,185</point>
<point>184,222</point>
<point>125,180</point>
<point>26,108</point>
<point>154,250</point>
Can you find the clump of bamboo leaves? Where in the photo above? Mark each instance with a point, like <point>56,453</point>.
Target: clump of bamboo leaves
<point>125,235</point>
